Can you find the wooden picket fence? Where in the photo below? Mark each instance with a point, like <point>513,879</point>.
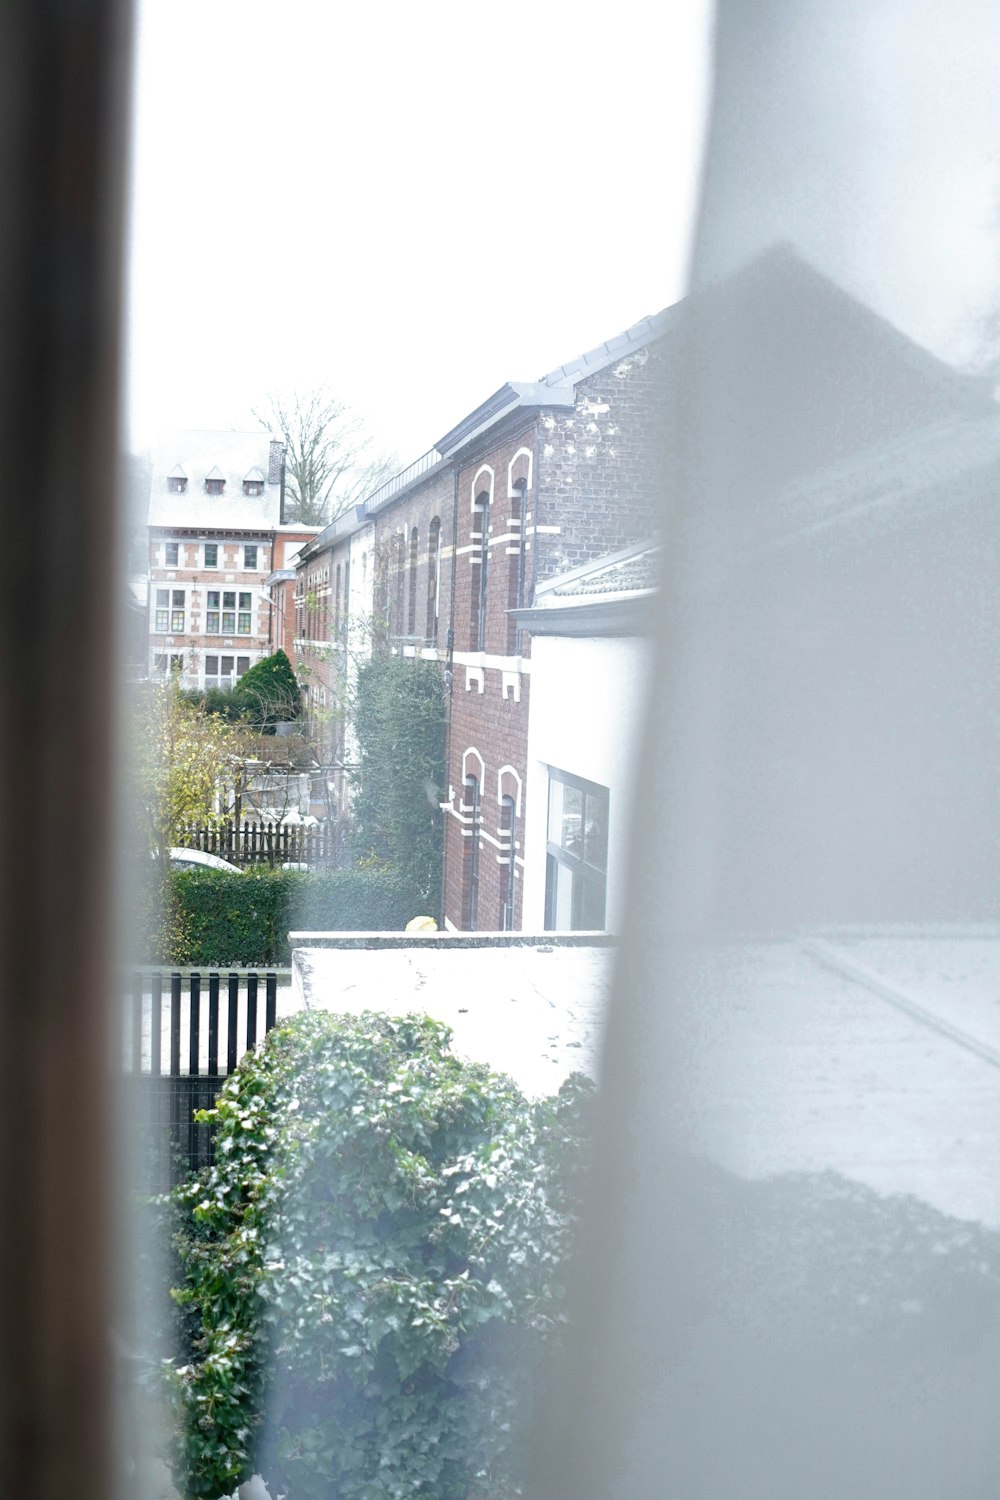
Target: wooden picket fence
<point>271,844</point>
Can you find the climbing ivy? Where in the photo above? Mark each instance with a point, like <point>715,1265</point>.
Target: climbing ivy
<point>374,1269</point>
<point>399,724</point>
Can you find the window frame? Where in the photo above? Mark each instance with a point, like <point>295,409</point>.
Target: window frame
<point>588,881</point>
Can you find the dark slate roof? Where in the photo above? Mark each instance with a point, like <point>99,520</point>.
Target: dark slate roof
<point>610,596</point>
<point>638,572</point>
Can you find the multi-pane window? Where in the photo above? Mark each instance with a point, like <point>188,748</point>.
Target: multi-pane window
<point>214,486</point>
<point>576,873</point>
<point>250,559</point>
<point>211,554</point>
<point>168,661</point>
<point>253,486</point>
<point>169,610</point>
<point>171,552</point>
<point>176,484</point>
<point>228,612</point>
<point>223,671</point>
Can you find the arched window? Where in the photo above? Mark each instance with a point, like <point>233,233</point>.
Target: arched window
<point>399,583</point>
<point>470,807</point>
<point>508,872</point>
<point>516,561</point>
<point>433,577</point>
<point>411,617</point>
<point>480,569</point>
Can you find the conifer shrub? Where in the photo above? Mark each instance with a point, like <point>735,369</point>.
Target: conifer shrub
<point>374,1270</point>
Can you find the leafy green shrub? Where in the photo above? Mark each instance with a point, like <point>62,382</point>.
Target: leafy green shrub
<point>271,691</point>
<point>223,918</point>
<point>374,1268</point>
<point>267,694</point>
<point>399,721</point>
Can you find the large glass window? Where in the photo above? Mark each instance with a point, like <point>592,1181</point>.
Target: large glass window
<point>576,874</point>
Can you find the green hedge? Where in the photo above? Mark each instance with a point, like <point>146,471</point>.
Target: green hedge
<point>375,1268</point>
<point>220,918</point>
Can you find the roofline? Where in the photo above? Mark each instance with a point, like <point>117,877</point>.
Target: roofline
<point>558,387</point>
<point>611,615</point>
<point>596,566</point>
<point>392,489</point>
<point>514,396</point>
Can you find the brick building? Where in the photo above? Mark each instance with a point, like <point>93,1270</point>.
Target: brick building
<point>214,513</point>
<point>539,479</point>
<point>289,539</point>
<point>549,477</point>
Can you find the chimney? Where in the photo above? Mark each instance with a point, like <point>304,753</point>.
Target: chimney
<point>276,475</point>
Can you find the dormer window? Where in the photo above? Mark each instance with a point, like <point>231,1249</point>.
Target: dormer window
<point>177,481</point>
<point>253,482</point>
<point>215,482</point>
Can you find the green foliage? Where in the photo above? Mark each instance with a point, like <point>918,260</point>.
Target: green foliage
<point>221,918</point>
<point>268,694</point>
<point>374,1269</point>
<point>180,755</point>
<point>399,722</point>
<point>219,703</point>
<point>271,691</point>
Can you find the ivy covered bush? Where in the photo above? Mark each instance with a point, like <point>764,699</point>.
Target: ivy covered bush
<point>374,1269</point>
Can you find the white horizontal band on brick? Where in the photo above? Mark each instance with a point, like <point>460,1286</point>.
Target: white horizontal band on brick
<point>492,663</point>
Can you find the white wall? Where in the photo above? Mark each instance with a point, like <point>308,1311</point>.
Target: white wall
<point>587,706</point>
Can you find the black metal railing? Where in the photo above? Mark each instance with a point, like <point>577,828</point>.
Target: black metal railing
<point>184,1033</point>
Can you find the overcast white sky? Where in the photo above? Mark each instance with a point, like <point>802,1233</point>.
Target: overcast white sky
<point>411,204</point>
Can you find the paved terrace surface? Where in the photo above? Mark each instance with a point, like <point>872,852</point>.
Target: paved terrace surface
<point>873,1055</point>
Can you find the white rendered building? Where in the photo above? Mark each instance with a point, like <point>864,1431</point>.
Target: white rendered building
<point>591,670</point>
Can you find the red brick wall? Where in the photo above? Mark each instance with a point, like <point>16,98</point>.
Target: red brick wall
<point>602,463</point>
<point>434,499</point>
<point>498,729</point>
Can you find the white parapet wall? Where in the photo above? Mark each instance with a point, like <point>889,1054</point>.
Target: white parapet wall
<point>537,1015</point>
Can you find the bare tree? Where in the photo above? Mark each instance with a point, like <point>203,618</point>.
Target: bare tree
<point>330,459</point>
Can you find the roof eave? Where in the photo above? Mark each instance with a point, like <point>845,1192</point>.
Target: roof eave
<point>592,617</point>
